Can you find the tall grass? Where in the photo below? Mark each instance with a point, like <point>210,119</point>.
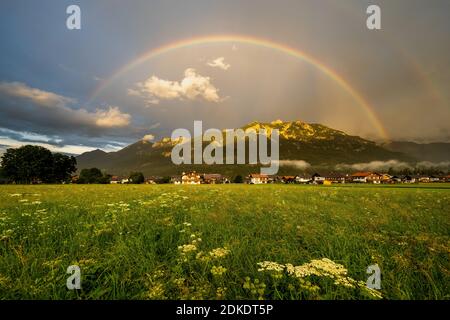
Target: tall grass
<point>158,241</point>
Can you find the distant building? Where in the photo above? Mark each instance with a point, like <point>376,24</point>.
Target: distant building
<point>114,180</point>
<point>360,177</point>
<point>335,177</point>
<point>435,178</point>
<point>214,178</point>
<point>422,179</point>
<point>257,178</point>
<point>153,180</point>
<point>191,178</point>
<point>288,179</point>
<point>317,178</point>
<point>386,178</point>
<point>367,177</point>
<point>303,179</point>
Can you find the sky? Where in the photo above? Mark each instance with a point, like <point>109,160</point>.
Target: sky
<point>314,61</point>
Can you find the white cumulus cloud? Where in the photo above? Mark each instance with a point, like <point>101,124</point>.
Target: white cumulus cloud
<point>219,63</point>
<point>192,87</point>
<point>112,118</point>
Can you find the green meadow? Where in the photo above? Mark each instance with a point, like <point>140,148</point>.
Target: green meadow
<point>224,241</point>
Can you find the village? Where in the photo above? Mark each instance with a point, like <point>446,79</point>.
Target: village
<point>196,178</point>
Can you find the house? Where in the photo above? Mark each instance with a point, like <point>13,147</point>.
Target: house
<point>422,179</point>
<point>303,179</point>
<point>446,178</point>
<point>386,178</point>
<point>153,180</point>
<point>213,178</point>
<point>125,181</point>
<point>190,178</point>
<point>317,178</point>
<point>288,179</point>
<point>375,178</point>
<point>114,180</point>
<point>335,177</point>
<point>360,177</point>
<point>257,178</point>
<point>435,178</point>
<point>366,177</point>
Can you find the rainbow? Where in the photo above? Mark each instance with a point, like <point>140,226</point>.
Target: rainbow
<point>266,43</point>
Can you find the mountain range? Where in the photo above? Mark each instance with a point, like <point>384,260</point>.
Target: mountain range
<point>313,143</point>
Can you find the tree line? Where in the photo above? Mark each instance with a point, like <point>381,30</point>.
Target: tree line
<point>95,175</point>
<point>35,164</point>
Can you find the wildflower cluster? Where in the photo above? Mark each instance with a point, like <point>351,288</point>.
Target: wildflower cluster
<point>186,248</point>
<point>220,292</point>
<point>219,253</point>
<point>155,285</point>
<point>321,268</point>
<point>256,288</point>
<point>166,200</point>
<point>31,220</point>
<point>218,271</point>
<point>270,266</point>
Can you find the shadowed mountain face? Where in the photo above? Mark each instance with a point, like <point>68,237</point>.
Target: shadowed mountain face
<point>313,143</point>
<point>434,152</point>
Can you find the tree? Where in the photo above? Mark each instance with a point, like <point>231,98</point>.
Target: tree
<point>3,178</point>
<point>165,179</point>
<point>238,179</point>
<point>34,164</point>
<point>105,179</point>
<point>92,175</point>
<point>63,167</point>
<point>28,164</point>
<point>136,177</point>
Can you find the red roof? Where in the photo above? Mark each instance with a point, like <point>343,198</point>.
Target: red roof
<point>257,175</point>
<point>361,174</point>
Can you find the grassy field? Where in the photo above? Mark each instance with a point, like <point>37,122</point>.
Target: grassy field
<point>224,241</point>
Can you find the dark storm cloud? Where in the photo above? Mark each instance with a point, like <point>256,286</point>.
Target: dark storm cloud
<point>30,108</point>
<point>31,115</point>
<point>30,137</point>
